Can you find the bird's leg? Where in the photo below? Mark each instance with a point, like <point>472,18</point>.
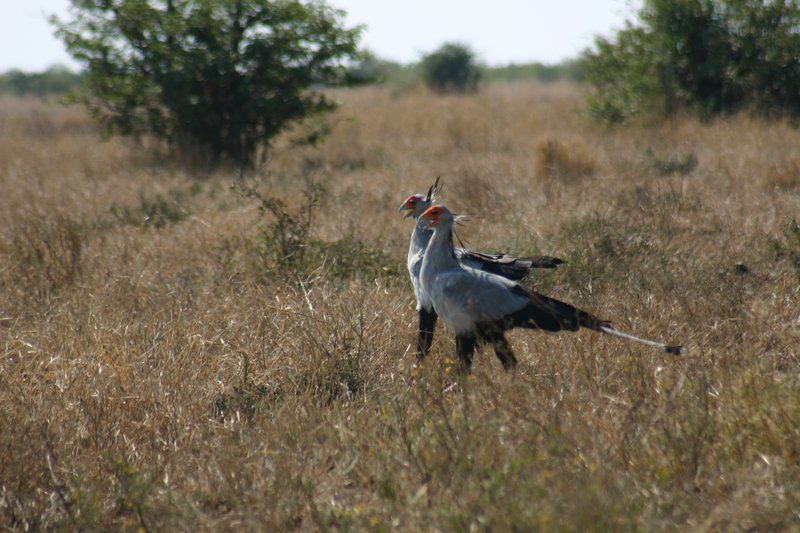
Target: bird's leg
<point>465,348</point>
<point>502,349</point>
<point>504,352</point>
<point>427,324</point>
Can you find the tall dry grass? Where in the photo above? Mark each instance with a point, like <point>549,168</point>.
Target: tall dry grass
<point>163,368</point>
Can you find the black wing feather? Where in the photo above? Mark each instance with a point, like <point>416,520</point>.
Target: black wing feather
<point>549,314</point>
<point>508,266</point>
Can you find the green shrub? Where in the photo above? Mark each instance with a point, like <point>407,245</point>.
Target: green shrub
<point>371,69</point>
<point>569,70</point>
<point>214,78</point>
<point>709,56</point>
<point>55,81</point>
<point>286,245</point>
<point>156,211</point>
<point>451,68</point>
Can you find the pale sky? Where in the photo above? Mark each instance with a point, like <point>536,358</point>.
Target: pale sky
<point>500,31</point>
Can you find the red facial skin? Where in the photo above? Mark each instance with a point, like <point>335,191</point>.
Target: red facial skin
<point>410,202</point>
<point>433,214</point>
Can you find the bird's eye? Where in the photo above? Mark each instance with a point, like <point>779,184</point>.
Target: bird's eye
<point>412,200</point>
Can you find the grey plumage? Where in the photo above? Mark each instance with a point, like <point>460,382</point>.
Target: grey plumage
<point>480,305</point>
<point>501,264</point>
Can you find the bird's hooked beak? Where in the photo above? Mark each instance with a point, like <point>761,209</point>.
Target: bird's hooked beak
<point>406,207</point>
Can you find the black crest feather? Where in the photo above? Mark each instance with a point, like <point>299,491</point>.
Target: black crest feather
<point>433,190</point>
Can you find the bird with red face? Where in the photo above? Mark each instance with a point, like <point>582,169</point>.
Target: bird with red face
<point>481,306</point>
<point>501,264</point>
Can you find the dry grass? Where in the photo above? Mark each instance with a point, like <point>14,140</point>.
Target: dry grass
<point>783,174</point>
<point>162,368</point>
<point>557,160</point>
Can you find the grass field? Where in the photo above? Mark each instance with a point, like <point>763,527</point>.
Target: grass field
<point>184,352</point>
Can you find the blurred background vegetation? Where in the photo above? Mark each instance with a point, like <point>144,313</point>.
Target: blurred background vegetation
<point>704,57</point>
<point>368,69</point>
<point>56,81</point>
<point>708,57</point>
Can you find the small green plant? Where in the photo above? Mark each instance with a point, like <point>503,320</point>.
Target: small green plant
<point>285,243</point>
<point>158,212</point>
<point>349,257</point>
<point>285,234</point>
<point>245,397</point>
<point>133,489</point>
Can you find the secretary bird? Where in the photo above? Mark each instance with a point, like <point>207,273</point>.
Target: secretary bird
<point>502,264</point>
<point>478,305</point>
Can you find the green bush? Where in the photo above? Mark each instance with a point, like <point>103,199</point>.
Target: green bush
<point>214,78</point>
<point>709,56</point>
<point>287,248</point>
<point>55,81</point>
<point>569,70</point>
<point>371,69</point>
<point>158,211</point>
<point>451,68</point>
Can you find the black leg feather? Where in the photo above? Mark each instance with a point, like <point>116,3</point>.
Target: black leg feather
<point>427,324</point>
<point>502,349</point>
<point>465,348</point>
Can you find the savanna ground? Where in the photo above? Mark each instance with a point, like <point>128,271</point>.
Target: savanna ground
<point>178,353</point>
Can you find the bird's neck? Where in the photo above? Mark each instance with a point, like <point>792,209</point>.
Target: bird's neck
<point>420,237</point>
<point>440,249</point>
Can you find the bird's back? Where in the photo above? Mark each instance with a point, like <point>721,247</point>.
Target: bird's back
<point>464,297</point>
<point>468,299</point>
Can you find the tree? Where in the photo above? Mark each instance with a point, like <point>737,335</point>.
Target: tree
<point>221,77</point>
<point>55,81</point>
<point>451,68</point>
<point>710,56</point>
<point>371,69</point>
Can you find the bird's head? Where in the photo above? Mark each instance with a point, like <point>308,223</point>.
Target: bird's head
<point>416,204</point>
<point>438,215</point>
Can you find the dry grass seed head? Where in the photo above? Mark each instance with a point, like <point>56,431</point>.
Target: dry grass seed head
<point>564,161</point>
<point>110,399</point>
<point>783,174</point>
<point>476,191</point>
<point>42,255</point>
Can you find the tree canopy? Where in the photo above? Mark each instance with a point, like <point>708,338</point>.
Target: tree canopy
<point>710,56</point>
<point>218,77</point>
<point>451,68</point>
<point>55,81</point>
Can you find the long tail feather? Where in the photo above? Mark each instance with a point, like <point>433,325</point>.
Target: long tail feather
<point>673,349</point>
<point>542,261</point>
